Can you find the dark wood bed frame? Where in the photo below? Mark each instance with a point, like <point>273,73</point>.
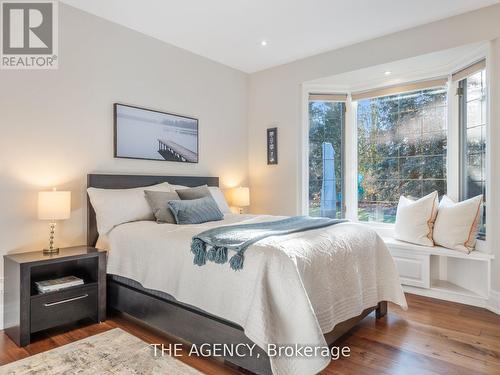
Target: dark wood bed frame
<point>176,319</point>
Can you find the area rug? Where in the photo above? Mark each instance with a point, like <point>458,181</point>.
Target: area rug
<point>112,352</point>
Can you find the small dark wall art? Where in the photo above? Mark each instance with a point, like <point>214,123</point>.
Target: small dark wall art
<point>272,146</point>
<point>153,135</point>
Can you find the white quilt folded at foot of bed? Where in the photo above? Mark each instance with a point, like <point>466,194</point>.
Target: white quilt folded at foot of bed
<point>292,290</point>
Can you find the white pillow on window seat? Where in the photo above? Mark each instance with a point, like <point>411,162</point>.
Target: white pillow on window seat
<point>457,224</point>
<point>415,219</point>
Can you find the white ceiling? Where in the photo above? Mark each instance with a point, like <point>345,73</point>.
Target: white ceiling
<point>231,31</point>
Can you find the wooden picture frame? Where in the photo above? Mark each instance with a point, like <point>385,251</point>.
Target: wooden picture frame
<point>272,146</point>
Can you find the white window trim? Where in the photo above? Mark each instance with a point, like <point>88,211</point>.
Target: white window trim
<point>486,245</point>
<point>351,150</point>
<point>453,144</point>
<point>303,154</point>
<point>303,173</point>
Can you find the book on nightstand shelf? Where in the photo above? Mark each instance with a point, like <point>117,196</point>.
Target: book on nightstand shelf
<point>57,284</point>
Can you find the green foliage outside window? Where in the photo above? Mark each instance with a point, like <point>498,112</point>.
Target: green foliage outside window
<point>326,122</point>
<point>401,151</point>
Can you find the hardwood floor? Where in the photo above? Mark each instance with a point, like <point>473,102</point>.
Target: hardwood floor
<point>432,337</point>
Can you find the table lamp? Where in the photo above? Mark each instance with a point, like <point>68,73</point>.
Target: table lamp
<point>53,205</point>
<point>241,197</point>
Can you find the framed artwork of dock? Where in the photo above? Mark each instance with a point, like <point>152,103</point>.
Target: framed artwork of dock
<point>148,134</point>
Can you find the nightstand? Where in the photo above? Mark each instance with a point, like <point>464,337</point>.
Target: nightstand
<point>27,311</point>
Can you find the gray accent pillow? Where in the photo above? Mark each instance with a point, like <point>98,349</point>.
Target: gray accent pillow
<point>195,211</point>
<point>194,193</point>
<point>158,201</point>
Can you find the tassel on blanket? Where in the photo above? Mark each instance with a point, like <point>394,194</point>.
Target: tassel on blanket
<point>221,255</point>
<point>199,249</point>
<point>211,254</point>
<point>236,261</point>
<point>217,254</point>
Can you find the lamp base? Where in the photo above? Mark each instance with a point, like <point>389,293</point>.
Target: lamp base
<point>51,251</point>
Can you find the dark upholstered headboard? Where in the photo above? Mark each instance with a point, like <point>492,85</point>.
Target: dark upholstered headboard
<point>115,181</point>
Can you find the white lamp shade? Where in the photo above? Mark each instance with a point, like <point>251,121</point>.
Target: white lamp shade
<point>241,197</point>
<point>54,205</point>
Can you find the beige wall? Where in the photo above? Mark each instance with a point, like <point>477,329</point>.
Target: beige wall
<point>275,100</point>
<point>56,126</point>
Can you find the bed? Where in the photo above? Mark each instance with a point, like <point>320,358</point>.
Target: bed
<point>306,288</point>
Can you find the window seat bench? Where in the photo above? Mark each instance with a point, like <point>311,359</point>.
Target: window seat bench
<point>442,273</point>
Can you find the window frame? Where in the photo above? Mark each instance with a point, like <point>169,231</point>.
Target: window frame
<point>462,130</point>
<point>335,99</point>
<point>461,94</point>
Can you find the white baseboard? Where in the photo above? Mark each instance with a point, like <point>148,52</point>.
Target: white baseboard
<point>494,302</point>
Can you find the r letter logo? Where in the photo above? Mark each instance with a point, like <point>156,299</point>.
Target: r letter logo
<point>29,35</point>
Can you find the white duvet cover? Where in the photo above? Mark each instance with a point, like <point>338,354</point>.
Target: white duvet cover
<point>292,289</point>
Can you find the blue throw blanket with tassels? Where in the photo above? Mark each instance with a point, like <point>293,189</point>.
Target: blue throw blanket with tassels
<point>214,244</point>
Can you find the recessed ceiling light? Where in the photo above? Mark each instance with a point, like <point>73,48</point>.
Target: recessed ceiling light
<point>387,73</point>
<point>263,43</point>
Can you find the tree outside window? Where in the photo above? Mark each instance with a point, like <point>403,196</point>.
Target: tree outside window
<point>402,141</point>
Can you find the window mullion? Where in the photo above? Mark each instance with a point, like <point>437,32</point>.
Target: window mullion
<point>453,154</point>
<point>351,161</point>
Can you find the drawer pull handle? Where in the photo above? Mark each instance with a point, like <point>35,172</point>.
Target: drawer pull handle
<point>66,300</point>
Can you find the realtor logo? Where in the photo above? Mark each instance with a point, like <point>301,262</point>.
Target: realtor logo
<point>29,34</point>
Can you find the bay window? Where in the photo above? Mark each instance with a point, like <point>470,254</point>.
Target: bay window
<point>367,148</point>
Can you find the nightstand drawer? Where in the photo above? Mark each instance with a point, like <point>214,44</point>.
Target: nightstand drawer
<point>63,307</point>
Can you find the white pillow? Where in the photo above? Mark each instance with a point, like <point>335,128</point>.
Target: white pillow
<point>415,219</point>
<point>117,206</point>
<point>220,199</point>
<point>177,187</point>
<point>457,223</point>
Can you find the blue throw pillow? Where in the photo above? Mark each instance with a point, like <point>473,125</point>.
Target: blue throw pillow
<point>195,211</point>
